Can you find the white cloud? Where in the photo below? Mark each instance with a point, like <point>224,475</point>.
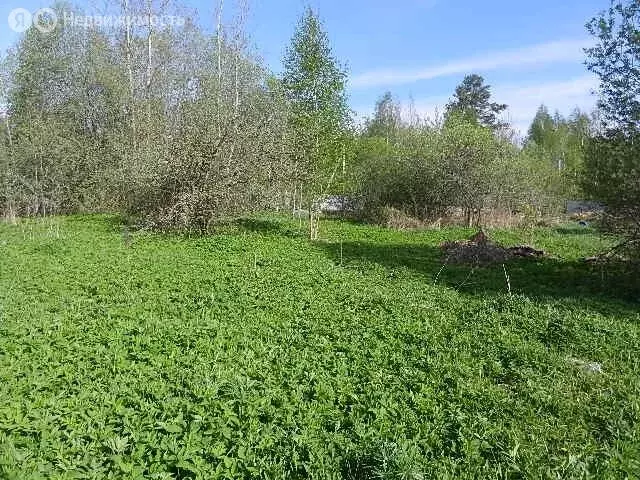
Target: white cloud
<point>545,53</point>
<point>563,96</point>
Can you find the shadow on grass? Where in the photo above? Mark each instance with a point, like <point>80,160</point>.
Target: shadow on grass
<point>116,223</point>
<point>577,230</point>
<point>266,227</point>
<point>546,277</point>
<point>95,222</point>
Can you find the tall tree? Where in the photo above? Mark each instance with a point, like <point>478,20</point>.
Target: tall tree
<point>612,162</point>
<point>472,102</point>
<point>314,84</point>
<point>541,128</point>
<point>386,122</point>
<point>558,143</point>
<point>549,136</point>
<point>175,127</point>
<point>57,110</point>
<point>616,60</point>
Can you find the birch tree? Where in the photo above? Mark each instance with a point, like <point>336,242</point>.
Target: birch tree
<point>314,83</point>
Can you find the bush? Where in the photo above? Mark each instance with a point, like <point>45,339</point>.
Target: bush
<point>612,176</point>
<point>432,171</point>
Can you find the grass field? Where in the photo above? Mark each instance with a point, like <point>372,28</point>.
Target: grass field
<point>257,354</point>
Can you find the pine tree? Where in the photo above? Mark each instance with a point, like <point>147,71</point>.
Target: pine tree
<point>471,101</point>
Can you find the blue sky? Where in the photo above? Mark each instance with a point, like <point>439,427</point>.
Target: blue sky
<point>530,53</point>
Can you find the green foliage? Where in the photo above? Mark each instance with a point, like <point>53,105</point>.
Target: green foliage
<point>616,59</point>
<point>557,146</point>
<point>430,170</point>
<point>542,129</point>
<point>63,107</point>
<point>168,125</point>
<point>612,162</point>
<point>471,102</point>
<point>614,166</point>
<point>314,84</point>
<point>256,354</point>
<point>543,189</point>
<point>387,120</point>
<point>612,176</point>
<point>220,164</point>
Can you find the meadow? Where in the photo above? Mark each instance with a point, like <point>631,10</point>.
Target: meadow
<point>255,353</point>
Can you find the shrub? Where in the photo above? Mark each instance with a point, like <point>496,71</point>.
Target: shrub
<point>432,171</point>
<point>612,176</point>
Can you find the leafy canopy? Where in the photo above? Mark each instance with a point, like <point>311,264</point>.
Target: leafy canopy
<point>387,120</point>
<point>471,101</point>
<point>612,164</point>
<point>616,60</point>
<point>314,84</point>
<point>313,79</point>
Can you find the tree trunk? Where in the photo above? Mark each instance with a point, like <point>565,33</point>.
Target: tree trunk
<point>148,80</point>
<point>129,56</point>
<point>219,50</point>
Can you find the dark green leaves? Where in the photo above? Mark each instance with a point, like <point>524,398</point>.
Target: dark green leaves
<point>172,359</point>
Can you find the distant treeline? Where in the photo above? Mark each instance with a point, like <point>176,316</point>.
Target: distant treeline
<point>179,128</point>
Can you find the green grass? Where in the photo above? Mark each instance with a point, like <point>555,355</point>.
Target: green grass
<point>257,354</point>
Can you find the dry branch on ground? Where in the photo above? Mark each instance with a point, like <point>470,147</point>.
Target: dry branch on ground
<point>480,250</point>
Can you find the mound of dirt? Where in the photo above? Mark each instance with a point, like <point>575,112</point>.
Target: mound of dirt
<point>480,250</point>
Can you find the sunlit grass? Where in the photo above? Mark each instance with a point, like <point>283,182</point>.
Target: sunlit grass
<point>257,354</point>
